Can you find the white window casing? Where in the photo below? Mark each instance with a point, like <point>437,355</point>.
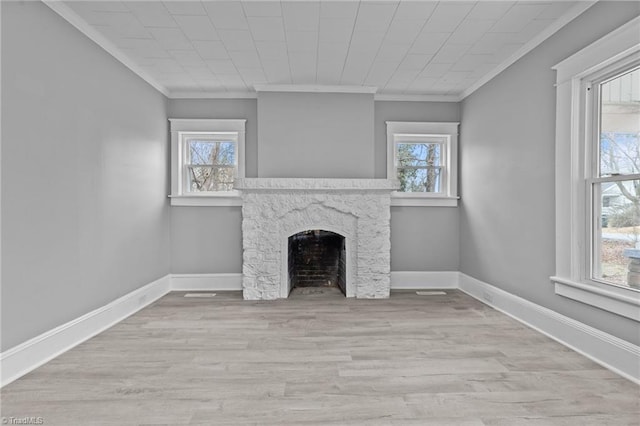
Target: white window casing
<point>180,129</point>
<point>442,133</point>
<point>576,74</point>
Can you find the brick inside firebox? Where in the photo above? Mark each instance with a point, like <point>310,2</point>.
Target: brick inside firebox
<point>316,259</point>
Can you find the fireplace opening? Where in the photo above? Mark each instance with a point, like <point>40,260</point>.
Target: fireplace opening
<point>317,258</point>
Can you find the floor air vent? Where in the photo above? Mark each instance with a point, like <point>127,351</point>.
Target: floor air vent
<point>199,295</point>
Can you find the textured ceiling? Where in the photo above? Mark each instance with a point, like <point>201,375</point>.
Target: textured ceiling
<point>400,47</point>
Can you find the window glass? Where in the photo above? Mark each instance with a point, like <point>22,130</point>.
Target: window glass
<point>210,164</point>
<point>619,116</point>
<point>414,179</point>
<point>419,166</point>
<point>616,197</point>
<point>210,179</point>
<point>211,152</point>
<point>617,232</point>
<point>419,154</point>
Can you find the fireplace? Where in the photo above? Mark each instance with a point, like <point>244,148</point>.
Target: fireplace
<point>275,209</point>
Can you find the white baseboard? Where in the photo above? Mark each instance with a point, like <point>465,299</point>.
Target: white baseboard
<point>206,282</point>
<point>35,352</point>
<point>609,351</point>
<point>423,280</point>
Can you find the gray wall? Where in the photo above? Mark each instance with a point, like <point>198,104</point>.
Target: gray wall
<point>425,239</point>
<point>209,239</point>
<point>206,240</point>
<point>85,217</point>
<point>507,214</point>
<point>422,238</point>
<point>315,135</point>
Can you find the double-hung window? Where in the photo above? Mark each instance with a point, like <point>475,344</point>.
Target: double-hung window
<point>207,156</point>
<point>614,177</point>
<point>422,157</point>
<point>210,161</point>
<point>598,174</point>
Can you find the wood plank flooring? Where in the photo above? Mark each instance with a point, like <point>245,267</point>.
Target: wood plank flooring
<point>317,359</point>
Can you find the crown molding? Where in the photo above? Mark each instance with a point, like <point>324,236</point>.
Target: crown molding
<point>314,88</point>
<point>401,97</point>
<point>74,19</point>
<point>559,23</point>
<point>332,89</point>
<point>211,95</point>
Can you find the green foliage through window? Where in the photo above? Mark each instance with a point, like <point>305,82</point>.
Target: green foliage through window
<point>419,166</point>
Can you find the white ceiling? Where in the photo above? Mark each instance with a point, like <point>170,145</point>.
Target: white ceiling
<point>225,48</point>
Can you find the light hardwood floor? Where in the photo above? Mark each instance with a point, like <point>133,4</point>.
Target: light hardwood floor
<point>322,359</point>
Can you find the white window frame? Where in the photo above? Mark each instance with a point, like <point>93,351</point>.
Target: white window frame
<point>574,125</point>
<point>183,127</point>
<point>445,133</point>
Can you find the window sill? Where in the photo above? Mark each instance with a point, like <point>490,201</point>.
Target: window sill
<point>420,200</point>
<point>620,301</point>
<point>232,198</point>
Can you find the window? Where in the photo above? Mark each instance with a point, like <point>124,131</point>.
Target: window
<point>598,174</point>
<point>423,158</point>
<point>420,162</point>
<point>614,174</point>
<point>210,161</point>
<point>206,156</point>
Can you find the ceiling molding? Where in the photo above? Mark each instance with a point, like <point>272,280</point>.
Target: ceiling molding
<point>211,95</point>
<point>314,88</point>
<point>74,19</point>
<point>334,89</point>
<point>400,97</point>
<point>558,24</point>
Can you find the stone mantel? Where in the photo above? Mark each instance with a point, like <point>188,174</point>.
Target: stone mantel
<point>312,184</point>
<point>274,209</point>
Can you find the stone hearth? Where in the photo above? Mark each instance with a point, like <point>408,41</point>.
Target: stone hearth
<point>273,209</point>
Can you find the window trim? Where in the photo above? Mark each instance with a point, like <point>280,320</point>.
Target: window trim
<point>181,126</point>
<point>448,197</point>
<point>574,119</point>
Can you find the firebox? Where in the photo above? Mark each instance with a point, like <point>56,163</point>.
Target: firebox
<point>317,258</point>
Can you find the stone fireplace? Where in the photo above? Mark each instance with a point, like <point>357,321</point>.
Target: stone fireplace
<point>274,209</point>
